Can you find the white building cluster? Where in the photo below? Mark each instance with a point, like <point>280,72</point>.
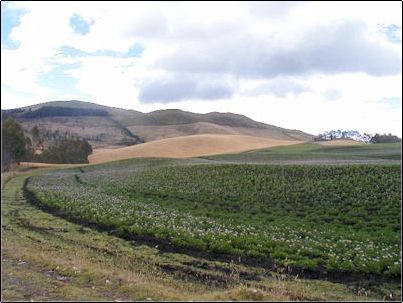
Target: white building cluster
<point>343,134</point>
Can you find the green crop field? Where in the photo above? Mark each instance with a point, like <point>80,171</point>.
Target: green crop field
<point>327,219</point>
<point>313,153</point>
<point>318,214</point>
<point>47,258</point>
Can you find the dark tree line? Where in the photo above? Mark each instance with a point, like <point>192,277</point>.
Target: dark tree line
<point>52,111</point>
<point>378,138</point>
<point>16,147</point>
<point>66,150</point>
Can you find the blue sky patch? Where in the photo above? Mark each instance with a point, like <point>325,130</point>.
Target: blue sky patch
<point>134,51</point>
<point>79,25</point>
<point>392,32</point>
<point>393,102</point>
<point>10,18</point>
<point>59,80</point>
<point>72,52</point>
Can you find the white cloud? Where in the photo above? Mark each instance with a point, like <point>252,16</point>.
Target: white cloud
<point>332,94</point>
<point>14,100</point>
<point>109,81</point>
<point>277,60</point>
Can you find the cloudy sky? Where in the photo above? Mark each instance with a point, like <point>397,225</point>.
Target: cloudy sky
<point>306,65</point>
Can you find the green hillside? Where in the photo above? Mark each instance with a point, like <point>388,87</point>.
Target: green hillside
<point>306,153</point>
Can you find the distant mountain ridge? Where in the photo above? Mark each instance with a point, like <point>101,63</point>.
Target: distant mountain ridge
<point>105,126</point>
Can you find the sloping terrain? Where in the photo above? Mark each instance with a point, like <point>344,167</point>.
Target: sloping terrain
<point>100,125</point>
<point>313,153</point>
<point>112,127</point>
<point>248,215</point>
<point>157,132</point>
<point>188,146</point>
<point>46,258</point>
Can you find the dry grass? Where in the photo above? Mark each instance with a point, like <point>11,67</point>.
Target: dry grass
<point>340,142</point>
<point>158,132</point>
<point>111,130</point>
<point>189,146</point>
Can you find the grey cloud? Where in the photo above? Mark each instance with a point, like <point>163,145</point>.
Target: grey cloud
<point>272,9</point>
<point>281,57</point>
<point>166,91</point>
<point>150,25</point>
<point>340,47</point>
<point>280,87</point>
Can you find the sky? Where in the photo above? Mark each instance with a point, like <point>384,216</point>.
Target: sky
<point>310,66</point>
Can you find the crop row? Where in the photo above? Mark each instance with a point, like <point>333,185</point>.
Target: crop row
<point>344,218</point>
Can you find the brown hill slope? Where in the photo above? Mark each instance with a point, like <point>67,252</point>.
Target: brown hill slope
<point>157,132</point>
<point>188,146</point>
<point>106,127</point>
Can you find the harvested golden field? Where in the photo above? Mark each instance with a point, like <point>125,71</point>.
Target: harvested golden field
<point>188,146</point>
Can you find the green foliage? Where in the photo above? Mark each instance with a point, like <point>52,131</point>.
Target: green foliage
<point>378,138</point>
<point>14,143</point>
<point>53,111</point>
<point>66,150</point>
<point>317,153</point>
<point>35,132</point>
<point>342,218</point>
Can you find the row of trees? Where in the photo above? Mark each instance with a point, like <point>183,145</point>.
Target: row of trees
<point>66,150</point>
<point>355,135</point>
<point>378,138</point>
<point>52,111</point>
<point>16,147</point>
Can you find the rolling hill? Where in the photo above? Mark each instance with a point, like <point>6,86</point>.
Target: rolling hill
<point>109,127</point>
<point>188,146</point>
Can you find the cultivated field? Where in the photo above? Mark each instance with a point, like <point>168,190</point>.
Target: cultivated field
<point>248,226</point>
<point>46,258</point>
<point>316,153</point>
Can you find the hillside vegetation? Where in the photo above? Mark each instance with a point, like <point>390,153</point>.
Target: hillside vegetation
<point>60,111</point>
